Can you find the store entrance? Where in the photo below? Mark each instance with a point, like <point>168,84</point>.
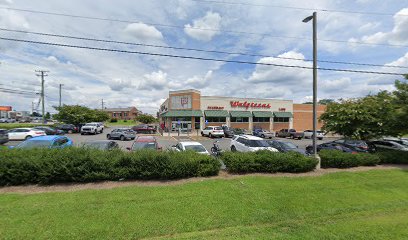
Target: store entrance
<point>183,124</point>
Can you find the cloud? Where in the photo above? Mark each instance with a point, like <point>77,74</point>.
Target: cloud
<point>143,32</point>
<point>210,21</point>
<point>335,85</point>
<point>398,35</point>
<point>6,2</point>
<point>199,82</point>
<point>154,81</point>
<point>119,84</point>
<point>282,75</point>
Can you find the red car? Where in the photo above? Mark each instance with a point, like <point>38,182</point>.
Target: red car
<point>144,128</point>
<point>145,142</point>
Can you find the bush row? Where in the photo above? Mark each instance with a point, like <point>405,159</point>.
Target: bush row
<point>395,157</point>
<point>267,162</point>
<point>338,159</point>
<point>47,166</point>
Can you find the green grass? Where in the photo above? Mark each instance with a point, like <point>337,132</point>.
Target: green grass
<point>364,205</point>
<point>121,123</point>
<point>18,125</point>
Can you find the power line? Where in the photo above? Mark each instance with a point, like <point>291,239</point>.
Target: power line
<point>197,28</point>
<point>19,90</point>
<point>300,8</point>
<point>197,58</point>
<point>193,49</point>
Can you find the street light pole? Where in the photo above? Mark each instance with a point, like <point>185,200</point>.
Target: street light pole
<point>314,137</point>
<point>60,95</point>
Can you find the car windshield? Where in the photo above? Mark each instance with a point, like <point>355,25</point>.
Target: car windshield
<point>258,143</point>
<point>289,145</point>
<point>90,124</point>
<point>355,142</point>
<point>34,144</point>
<point>144,145</point>
<point>195,148</point>
<point>96,145</point>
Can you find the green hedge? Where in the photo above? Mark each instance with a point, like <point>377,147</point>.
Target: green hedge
<point>47,166</point>
<point>21,125</point>
<point>338,159</point>
<point>267,162</point>
<point>396,157</point>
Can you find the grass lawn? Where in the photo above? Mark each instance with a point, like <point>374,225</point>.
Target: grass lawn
<point>121,123</point>
<point>18,125</point>
<point>363,205</point>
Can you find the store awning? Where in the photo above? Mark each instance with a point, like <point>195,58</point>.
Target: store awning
<point>283,114</point>
<point>240,114</point>
<point>183,113</point>
<point>216,113</point>
<point>265,114</point>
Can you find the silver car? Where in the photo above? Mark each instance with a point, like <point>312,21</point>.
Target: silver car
<point>122,134</point>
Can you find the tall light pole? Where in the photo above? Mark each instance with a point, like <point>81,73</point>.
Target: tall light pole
<point>60,97</point>
<point>314,18</point>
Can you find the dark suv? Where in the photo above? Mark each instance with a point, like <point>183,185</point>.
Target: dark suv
<point>68,128</point>
<point>3,136</point>
<point>144,128</point>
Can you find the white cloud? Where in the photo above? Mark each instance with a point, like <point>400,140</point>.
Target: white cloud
<point>335,85</point>
<point>154,81</point>
<point>119,84</point>
<point>210,21</point>
<point>6,2</point>
<point>143,32</point>
<point>199,82</point>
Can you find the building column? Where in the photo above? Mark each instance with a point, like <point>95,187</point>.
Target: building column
<point>251,124</point>
<point>228,121</point>
<point>270,124</point>
<point>290,122</point>
<point>202,123</point>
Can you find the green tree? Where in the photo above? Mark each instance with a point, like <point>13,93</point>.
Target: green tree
<point>401,100</point>
<point>76,114</point>
<point>47,116</point>
<point>326,101</point>
<point>145,118</point>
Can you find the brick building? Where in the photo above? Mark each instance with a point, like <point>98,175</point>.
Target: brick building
<point>303,116</point>
<point>188,109</point>
<point>128,113</point>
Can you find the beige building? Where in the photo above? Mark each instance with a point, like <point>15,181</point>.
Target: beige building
<point>188,109</point>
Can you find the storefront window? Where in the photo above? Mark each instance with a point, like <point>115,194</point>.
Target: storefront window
<point>181,118</point>
<point>261,119</point>
<point>197,123</point>
<point>281,119</point>
<point>239,119</point>
<point>215,119</point>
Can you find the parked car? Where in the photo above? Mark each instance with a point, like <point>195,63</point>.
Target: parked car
<point>101,145</point>
<point>248,143</point>
<point>3,136</point>
<point>68,128</point>
<point>239,131</point>
<point>53,141</point>
<point>228,132</point>
<point>212,131</point>
<point>356,145</point>
<point>24,133</point>
<point>330,146</point>
<point>7,120</point>
<point>309,134</point>
<point>190,146</point>
<point>144,128</point>
<point>145,142</point>
<point>50,130</point>
<point>258,132</point>
<point>122,134</point>
<point>286,146</point>
<point>291,133</point>
<point>92,128</point>
<point>389,145</point>
<point>398,140</point>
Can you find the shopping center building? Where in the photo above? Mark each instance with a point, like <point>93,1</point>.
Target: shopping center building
<point>188,109</point>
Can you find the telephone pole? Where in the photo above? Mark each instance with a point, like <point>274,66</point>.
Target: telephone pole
<point>103,104</point>
<point>42,74</point>
<point>60,86</point>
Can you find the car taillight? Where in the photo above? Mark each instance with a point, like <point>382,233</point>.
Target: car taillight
<point>38,132</point>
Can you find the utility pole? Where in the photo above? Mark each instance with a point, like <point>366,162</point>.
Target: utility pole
<point>42,74</point>
<point>103,104</point>
<point>32,108</point>
<point>60,86</point>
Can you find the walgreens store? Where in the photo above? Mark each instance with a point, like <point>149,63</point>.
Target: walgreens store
<point>188,110</point>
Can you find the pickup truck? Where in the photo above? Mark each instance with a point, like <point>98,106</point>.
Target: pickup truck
<point>92,128</point>
<point>290,133</point>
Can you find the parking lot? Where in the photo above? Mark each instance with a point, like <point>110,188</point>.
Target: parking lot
<point>167,141</point>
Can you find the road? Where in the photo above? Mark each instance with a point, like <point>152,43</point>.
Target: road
<point>167,141</point>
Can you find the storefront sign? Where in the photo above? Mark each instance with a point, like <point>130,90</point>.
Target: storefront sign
<point>249,104</point>
<point>282,109</point>
<point>215,108</point>
<point>180,102</point>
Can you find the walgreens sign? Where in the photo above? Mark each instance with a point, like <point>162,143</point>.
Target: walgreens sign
<point>247,105</point>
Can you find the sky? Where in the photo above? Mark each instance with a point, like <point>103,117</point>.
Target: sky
<point>263,29</point>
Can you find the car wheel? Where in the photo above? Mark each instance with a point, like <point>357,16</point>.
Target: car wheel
<point>233,149</point>
<point>28,137</point>
<point>70,131</point>
<point>202,134</point>
<point>210,135</point>
<point>320,138</point>
<point>82,133</point>
<point>102,130</point>
<point>300,138</point>
<point>96,132</point>
<point>108,137</point>
<point>262,136</point>
<point>122,138</point>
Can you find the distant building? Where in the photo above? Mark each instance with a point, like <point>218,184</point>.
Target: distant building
<point>128,113</point>
<point>4,111</point>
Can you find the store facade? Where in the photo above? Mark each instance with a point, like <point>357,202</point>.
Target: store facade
<point>189,110</point>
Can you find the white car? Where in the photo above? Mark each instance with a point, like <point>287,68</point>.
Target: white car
<point>24,133</point>
<point>92,128</point>
<point>190,146</point>
<point>309,134</point>
<point>213,132</point>
<point>248,143</point>
<point>7,120</point>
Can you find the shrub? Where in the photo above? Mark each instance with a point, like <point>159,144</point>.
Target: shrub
<point>338,159</point>
<point>268,162</point>
<point>125,120</point>
<point>396,157</point>
<point>47,166</point>
<point>113,120</point>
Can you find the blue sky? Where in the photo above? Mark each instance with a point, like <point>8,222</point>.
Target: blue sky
<point>144,81</point>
